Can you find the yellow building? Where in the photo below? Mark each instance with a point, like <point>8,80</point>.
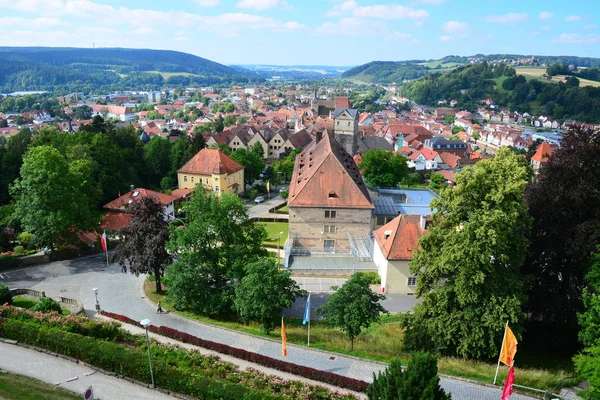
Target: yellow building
<point>214,170</point>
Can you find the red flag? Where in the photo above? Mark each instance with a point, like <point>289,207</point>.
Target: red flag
<point>508,386</point>
<point>103,241</point>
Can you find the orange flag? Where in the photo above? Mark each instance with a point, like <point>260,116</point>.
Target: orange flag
<point>283,340</point>
<point>509,347</point>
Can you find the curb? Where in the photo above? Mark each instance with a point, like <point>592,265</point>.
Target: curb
<point>96,369</point>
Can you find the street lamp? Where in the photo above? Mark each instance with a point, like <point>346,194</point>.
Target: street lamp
<point>145,323</point>
<point>96,293</point>
<point>278,246</point>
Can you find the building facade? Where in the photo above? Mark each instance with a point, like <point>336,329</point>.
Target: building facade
<point>214,171</point>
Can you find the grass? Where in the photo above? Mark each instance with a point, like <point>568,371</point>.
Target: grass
<point>167,75</point>
<point>537,73</point>
<point>28,303</point>
<point>383,341</point>
<point>18,387</point>
<point>273,229</point>
<point>285,209</point>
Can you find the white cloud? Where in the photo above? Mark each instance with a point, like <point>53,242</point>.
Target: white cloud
<point>341,9</point>
<point>55,38</point>
<point>144,31</point>
<point>590,27</point>
<point>575,38</point>
<point>391,11</point>
<point>235,21</point>
<point>207,3</point>
<point>35,23</point>
<point>574,18</point>
<point>351,26</point>
<point>261,4</point>
<point>455,26</point>
<point>510,18</point>
<point>427,2</point>
<point>544,15</point>
<point>445,38</point>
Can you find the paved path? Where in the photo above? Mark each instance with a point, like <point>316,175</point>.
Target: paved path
<point>75,377</point>
<point>122,293</point>
<point>262,209</point>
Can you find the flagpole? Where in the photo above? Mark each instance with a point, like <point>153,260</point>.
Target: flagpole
<point>309,319</point>
<point>503,338</point>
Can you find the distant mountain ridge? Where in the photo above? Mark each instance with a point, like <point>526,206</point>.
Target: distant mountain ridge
<point>60,69</point>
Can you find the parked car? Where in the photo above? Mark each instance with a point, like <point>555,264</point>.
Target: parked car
<point>283,189</point>
<point>259,199</point>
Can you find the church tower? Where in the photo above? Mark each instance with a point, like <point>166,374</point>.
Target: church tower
<point>345,129</point>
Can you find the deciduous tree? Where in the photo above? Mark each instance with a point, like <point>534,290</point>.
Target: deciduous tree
<point>353,307</point>
<point>469,265</point>
<point>141,247</point>
<point>383,168</point>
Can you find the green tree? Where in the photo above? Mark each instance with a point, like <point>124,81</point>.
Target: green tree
<point>285,166</point>
<point>218,241</point>
<point>49,202</point>
<point>229,120</point>
<point>264,292</point>
<point>420,381</point>
<point>469,263</point>
<point>141,246</point>
<point>83,112</point>
<point>11,162</point>
<point>46,305</point>
<point>353,307</point>
<point>252,162</point>
<point>456,129</point>
<point>5,294</point>
<point>449,119</point>
<point>383,168</point>
<point>436,181</point>
<point>157,157</point>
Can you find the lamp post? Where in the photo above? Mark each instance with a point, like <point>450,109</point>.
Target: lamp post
<point>96,293</point>
<point>278,246</point>
<point>145,323</point>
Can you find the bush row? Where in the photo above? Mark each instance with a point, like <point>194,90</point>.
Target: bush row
<point>285,366</point>
<point>129,362</point>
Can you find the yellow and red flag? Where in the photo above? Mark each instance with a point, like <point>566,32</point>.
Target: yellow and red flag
<point>509,347</point>
<point>283,340</point>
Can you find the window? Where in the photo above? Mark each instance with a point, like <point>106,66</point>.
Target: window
<point>192,179</point>
<point>234,178</point>
<point>329,229</point>
<point>329,246</point>
<point>229,181</point>
<point>412,281</point>
<point>348,123</point>
<point>338,123</point>
<point>332,194</point>
<point>216,189</point>
<point>380,220</point>
<point>330,213</point>
<point>207,181</point>
<point>185,178</point>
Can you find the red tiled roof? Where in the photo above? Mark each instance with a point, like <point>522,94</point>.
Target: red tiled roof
<point>136,194</point>
<point>450,159</point>
<point>448,175</point>
<point>206,161</point>
<point>342,102</point>
<point>543,153</point>
<point>404,233</point>
<point>181,193</point>
<point>115,220</point>
<point>326,176</point>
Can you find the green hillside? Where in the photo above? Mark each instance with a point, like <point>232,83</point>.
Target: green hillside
<point>386,72</point>
<point>76,69</point>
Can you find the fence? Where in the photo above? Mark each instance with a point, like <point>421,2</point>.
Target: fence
<point>64,300</point>
<point>30,292</point>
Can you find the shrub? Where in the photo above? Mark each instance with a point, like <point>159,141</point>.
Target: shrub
<point>26,239</point>
<point>46,304</point>
<point>5,294</point>
<point>19,250</point>
<point>373,277</point>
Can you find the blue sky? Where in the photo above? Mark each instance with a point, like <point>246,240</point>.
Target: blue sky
<point>309,32</point>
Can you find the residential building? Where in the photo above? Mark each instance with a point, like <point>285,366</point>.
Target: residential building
<point>329,205</point>
<point>118,215</point>
<point>393,250</point>
<point>440,144</point>
<point>121,113</point>
<point>214,171</point>
<point>541,156</point>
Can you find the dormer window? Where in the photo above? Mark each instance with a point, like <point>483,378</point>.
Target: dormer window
<point>332,195</point>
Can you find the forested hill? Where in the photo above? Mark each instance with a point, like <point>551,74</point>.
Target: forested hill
<point>386,72</point>
<point>77,69</point>
<point>472,83</point>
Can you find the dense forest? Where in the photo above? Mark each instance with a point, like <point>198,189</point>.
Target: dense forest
<point>63,70</point>
<point>472,83</point>
<point>386,72</point>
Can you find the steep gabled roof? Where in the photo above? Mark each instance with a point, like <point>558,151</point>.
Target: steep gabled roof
<point>208,160</point>
<point>136,194</point>
<point>300,138</point>
<point>326,176</point>
<point>403,236</point>
<point>351,111</point>
<point>543,153</point>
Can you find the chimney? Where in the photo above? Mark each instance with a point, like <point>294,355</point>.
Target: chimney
<point>131,187</point>
<point>319,136</point>
<point>387,234</point>
<point>423,222</point>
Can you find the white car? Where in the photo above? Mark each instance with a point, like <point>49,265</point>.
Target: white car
<point>259,199</point>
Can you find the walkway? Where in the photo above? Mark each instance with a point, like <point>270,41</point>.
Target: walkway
<point>68,375</point>
<point>122,294</point>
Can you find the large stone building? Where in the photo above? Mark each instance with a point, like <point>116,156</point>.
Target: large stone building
<point>214,170</point>
<point>345,129</point>
<point>329,205</point>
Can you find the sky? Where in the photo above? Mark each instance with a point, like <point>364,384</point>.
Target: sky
<point>309,32</point>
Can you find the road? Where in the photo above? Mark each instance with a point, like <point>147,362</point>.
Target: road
<point>122,293</point>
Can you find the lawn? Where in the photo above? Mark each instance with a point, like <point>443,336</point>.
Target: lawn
<point>284,209</point>
<point>18,387</point>
<point>273,229</point>
<point>381,342</point>
<point>28,303</point>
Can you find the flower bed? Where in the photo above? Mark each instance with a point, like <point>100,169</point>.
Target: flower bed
<point>184,371</point>
<point>307,372</point>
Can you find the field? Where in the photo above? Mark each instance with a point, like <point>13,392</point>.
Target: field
<point>439,65</point>
<point>273,229</point>
<point>538,72</point>
<point>18,387</point>
<point>167,75</point>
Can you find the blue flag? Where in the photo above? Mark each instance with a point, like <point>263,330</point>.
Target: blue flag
<point>306,311</point>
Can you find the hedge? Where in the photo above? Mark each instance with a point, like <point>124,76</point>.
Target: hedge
<point>129,362</point>
<point>285,366</point>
